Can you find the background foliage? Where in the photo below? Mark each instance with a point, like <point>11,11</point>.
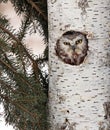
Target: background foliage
<point>23,83</point>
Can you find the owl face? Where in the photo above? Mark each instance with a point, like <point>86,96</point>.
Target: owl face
<point>72,47</point>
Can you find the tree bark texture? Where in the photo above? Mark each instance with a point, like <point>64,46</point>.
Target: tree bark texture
<point>79,95</point>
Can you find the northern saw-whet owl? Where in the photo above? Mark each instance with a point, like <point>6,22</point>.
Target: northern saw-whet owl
<point>72,47</point>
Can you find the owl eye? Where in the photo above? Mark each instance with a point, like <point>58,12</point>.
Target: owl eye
<point>79,41</point>
<point>66,43</point>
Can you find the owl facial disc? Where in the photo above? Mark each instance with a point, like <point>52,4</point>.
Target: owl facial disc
<point>72,47</point>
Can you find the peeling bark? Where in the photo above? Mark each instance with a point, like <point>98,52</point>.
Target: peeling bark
<point>79,96</point>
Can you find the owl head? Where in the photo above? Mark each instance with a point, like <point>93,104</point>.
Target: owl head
<point>72,47</point>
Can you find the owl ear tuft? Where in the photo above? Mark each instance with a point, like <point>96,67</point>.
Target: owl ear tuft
<point>90,35</point>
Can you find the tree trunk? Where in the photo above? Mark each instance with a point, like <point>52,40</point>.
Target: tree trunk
<point>79,93</point>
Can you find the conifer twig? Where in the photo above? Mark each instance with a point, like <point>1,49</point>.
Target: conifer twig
<point>37,8</point>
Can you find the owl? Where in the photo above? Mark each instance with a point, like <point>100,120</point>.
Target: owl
<point>72,47</point>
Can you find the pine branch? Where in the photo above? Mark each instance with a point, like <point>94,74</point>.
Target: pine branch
<point>22,92</point>
<point>21,34</point>
<point>25,26</point>
<point>15,72</point>
<point>7,99</point>
<point>15,91</point>
<point>14,38</point>
<point>37,8</point>
<point>24,100</point>
<point>24,49</point>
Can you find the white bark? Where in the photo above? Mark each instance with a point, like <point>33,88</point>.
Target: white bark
<point>77,93</point>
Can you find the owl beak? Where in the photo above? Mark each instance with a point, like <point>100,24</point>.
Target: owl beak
<point>73,47</point>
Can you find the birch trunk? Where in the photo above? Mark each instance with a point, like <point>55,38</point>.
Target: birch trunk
<point>79,96</point>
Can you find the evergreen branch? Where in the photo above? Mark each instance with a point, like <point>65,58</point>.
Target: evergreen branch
<point>22,60</point>
<point>15,72</point>
<point>24,100</point>
<point>21,35</point>
<point>14,38</point>
<point>37,8</point>
<point>10,88</point>
<point>8,66</point>
<point>21,103</point>
<point>7,99</point>
<point>25,25</point>
<point>35,70</point>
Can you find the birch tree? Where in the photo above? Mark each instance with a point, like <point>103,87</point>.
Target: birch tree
<point>79,95</point>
